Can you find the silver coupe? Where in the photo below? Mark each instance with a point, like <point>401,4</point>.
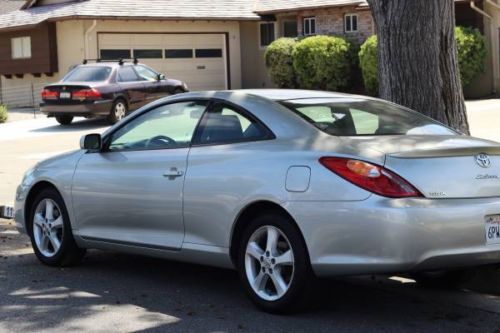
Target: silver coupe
<point>283,185</point>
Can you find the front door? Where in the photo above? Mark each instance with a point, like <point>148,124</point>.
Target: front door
<point>131,193</point>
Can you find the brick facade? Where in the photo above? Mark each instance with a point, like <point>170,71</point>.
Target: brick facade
<point>330,21</point>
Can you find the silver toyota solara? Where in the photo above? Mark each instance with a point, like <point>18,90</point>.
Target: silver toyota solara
<point>283,185</point>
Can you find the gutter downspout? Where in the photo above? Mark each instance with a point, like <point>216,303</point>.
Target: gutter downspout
<point>86,39</point>
<point>492,32</point>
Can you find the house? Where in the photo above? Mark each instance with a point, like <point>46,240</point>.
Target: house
<point>210,44</point>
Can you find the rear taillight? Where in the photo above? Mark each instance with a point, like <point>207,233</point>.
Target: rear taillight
<point>371,177</point>
<point>49,94</point>
<point>86,94</point>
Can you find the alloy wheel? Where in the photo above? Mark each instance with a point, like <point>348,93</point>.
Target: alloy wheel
<point>48,227</point>
<point>120,111</point>
<point>269,263</point>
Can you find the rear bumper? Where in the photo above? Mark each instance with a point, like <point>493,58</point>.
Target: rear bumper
<point>97,108</point>
<point>382,235</point>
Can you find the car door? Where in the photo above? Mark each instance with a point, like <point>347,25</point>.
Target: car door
<point>228,163</point>
<point>131,192</point>
<point>155,88</point>
<point>132,86</point>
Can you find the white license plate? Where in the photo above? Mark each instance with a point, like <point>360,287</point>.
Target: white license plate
<point>65,95</point>
<point>492,230</point>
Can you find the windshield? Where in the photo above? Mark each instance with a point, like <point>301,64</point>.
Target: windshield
<point>357,117</point>
<point>88,74</point>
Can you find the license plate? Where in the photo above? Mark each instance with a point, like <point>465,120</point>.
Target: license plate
<point>65,95</point>
<point>493,230</point>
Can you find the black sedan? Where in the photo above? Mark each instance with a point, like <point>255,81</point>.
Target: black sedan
<point>107,89</point>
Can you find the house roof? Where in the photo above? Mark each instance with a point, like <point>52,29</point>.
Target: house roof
<point>131,9</point>
<point>275,6</point>
<point>7,6</point>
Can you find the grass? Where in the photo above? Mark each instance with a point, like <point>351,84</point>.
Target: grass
<point>3,114</point>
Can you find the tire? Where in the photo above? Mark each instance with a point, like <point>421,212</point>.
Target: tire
<point>443,279</point>
<point>118,111</point>
<point>178,91</point>
<point>262,265</point>
<point>49,219</point>
<point>64,120</point>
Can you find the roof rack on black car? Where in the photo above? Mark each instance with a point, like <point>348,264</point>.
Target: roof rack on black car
<point>120,61</point>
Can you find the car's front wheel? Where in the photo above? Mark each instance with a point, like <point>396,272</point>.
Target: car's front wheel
<point>273,263</point>
<point>50,231</point>
<point>64,120</point>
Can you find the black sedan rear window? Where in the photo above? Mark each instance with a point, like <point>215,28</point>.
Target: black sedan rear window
<point>358,117</point>
<point>88,74</point>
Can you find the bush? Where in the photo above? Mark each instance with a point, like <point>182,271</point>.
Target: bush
<point>3,114</point>
<point>471,47</point>
<point>368,63</point>
<point>280,63</point>
<point>322,62</point>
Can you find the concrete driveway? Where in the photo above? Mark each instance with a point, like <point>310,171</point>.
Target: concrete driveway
<point>112,292</point>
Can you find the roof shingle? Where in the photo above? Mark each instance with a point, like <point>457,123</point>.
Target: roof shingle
<point>273,6</point>
<point>7,6</point>
<point>160,9</point>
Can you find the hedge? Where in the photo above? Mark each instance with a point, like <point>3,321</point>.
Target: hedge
<point>319,62</point>
<point>279,61</point>
<point>3,114</point>
<point>322,62</point>
<point>471,47</point>
<point>368,63</point>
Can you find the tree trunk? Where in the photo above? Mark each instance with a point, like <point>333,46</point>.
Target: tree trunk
<point>417,61</point>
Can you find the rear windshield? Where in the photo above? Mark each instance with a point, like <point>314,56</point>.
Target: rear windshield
<point>88,74</point>
<point>356,117</point>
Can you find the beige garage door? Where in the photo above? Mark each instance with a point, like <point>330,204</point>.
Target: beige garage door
<point>197,59</point>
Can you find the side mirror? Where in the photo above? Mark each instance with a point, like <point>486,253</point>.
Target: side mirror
<point>161,77</point>
<point>91,142</point>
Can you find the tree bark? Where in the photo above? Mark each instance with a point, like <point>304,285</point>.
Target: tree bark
<point>417,60</point>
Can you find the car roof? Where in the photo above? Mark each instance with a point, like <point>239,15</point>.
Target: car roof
<point>273,94</point>
<point>109,64</point>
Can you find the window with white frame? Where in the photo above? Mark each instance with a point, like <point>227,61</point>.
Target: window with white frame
<point>267,33</point>
<point>309,26</point>
<point>21,47</point>
<point>351,22</point>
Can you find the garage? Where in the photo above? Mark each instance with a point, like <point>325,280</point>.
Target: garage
<point>199,59</point>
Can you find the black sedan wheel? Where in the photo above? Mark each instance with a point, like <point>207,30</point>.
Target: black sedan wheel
<point>64,120</point>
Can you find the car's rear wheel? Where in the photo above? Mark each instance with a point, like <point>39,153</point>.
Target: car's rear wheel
<point>273,263</point>
<point>64,120</point>
<point>50,231</point>
<point>118,111</point>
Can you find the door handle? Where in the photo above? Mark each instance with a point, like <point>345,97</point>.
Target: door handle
<point>173,173</point>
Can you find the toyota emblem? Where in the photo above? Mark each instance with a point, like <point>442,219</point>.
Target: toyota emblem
<point>483,160</point>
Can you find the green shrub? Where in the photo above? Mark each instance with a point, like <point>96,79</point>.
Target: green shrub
<point>3,114</point>
<point>471,46</point>
<point>322,62</point>
<point>368,63</point>
<point>280,63</point>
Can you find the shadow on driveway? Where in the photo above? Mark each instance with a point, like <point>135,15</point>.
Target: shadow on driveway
<point>77,125</point>
<point>114,292</point>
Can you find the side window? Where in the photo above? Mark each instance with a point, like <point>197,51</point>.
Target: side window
<point>224,124</point>
<point>127,74</point>
<point>366,123</point>
<point>166,127</point>
<point>146,74</point>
